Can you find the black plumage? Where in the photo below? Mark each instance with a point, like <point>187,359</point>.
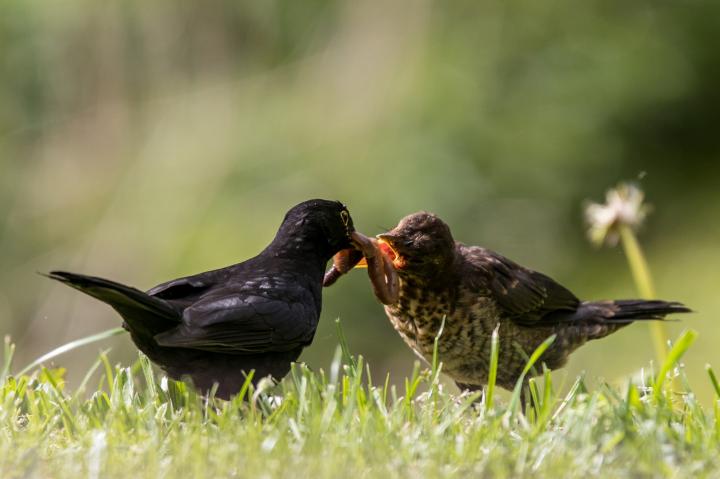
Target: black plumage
<point>475,290</point>
<point>217,326</point>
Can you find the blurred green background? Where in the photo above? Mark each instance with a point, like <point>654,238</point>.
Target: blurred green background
<point>148,140</point>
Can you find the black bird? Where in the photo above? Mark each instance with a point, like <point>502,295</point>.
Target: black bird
<point>217,326</point>
<point>475,290</point>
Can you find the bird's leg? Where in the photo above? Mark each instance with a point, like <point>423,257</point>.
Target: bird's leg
<point>525,396</point>
<point>470,388</point>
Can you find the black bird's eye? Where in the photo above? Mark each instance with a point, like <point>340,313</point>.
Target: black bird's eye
<point>345,217</point>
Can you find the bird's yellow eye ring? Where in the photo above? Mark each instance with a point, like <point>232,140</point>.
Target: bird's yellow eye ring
<point>345,217</point>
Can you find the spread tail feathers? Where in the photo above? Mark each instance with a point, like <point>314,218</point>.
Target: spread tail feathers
<point>141,312</point>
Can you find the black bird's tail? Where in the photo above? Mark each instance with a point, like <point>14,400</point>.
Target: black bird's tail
<point>604,317</point>
<point>143,314</point>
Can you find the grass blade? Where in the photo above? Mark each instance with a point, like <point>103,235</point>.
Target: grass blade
<point>713,379</point>
<point>531,362</point>
<point>9,351</point>
<point>70,346</point>
<point>435,358</point>
<point>347,356</point>
<point>492,375</point>
<point>681,345</point>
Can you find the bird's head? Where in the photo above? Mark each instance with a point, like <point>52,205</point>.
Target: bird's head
<point>421,244</point>
<point>323,226</point>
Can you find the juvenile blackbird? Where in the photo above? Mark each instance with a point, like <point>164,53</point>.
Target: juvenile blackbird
<point>476,289</point>
<point>217,326</point>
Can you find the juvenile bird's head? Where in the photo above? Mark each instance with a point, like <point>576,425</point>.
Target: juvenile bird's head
<point>421,245</point>
<point>319,226</point>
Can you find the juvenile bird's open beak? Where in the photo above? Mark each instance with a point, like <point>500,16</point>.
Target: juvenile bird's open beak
<point>386,243</point>
<point>365,244</point>
<point>386,237</point>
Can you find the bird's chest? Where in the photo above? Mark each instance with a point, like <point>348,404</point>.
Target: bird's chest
<point>464,345</point>
<point>418,315</point>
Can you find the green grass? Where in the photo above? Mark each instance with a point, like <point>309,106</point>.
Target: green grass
<point>344,423</point>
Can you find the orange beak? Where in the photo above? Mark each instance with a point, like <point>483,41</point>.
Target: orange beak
<point>385,248</point>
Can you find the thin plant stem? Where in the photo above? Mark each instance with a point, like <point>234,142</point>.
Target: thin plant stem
<point>70,346</point>
<point>644,284</point>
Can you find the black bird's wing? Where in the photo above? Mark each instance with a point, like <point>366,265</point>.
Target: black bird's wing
<point>180,288</point>
<point>525,296</point>
<point>247,320</point>
<point>185,291</point>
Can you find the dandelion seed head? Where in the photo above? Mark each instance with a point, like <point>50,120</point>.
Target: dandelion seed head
<point>623,206</point>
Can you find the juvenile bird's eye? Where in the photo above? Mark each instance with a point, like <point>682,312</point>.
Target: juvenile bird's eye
<point>345,217</point>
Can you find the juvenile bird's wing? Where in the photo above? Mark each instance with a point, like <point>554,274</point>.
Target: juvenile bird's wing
<point>245,321</point>
<point>526,297</point>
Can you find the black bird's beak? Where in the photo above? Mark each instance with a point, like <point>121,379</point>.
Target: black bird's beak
<point>357,239</point>
<point>361,243</point>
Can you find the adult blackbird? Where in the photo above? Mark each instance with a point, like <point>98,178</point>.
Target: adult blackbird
<point>475,290</point>
<point>217,326</point>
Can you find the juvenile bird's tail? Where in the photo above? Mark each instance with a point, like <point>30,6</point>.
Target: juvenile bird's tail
<point>604,317</point>
<point>143,314</point>
<point>628,310</point>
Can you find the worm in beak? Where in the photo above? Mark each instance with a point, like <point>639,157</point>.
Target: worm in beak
<point>378,259</point>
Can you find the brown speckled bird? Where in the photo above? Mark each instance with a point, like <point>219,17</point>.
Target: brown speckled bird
<point>476,289</point>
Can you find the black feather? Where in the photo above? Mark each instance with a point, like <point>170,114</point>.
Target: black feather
<point>217,326</point>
